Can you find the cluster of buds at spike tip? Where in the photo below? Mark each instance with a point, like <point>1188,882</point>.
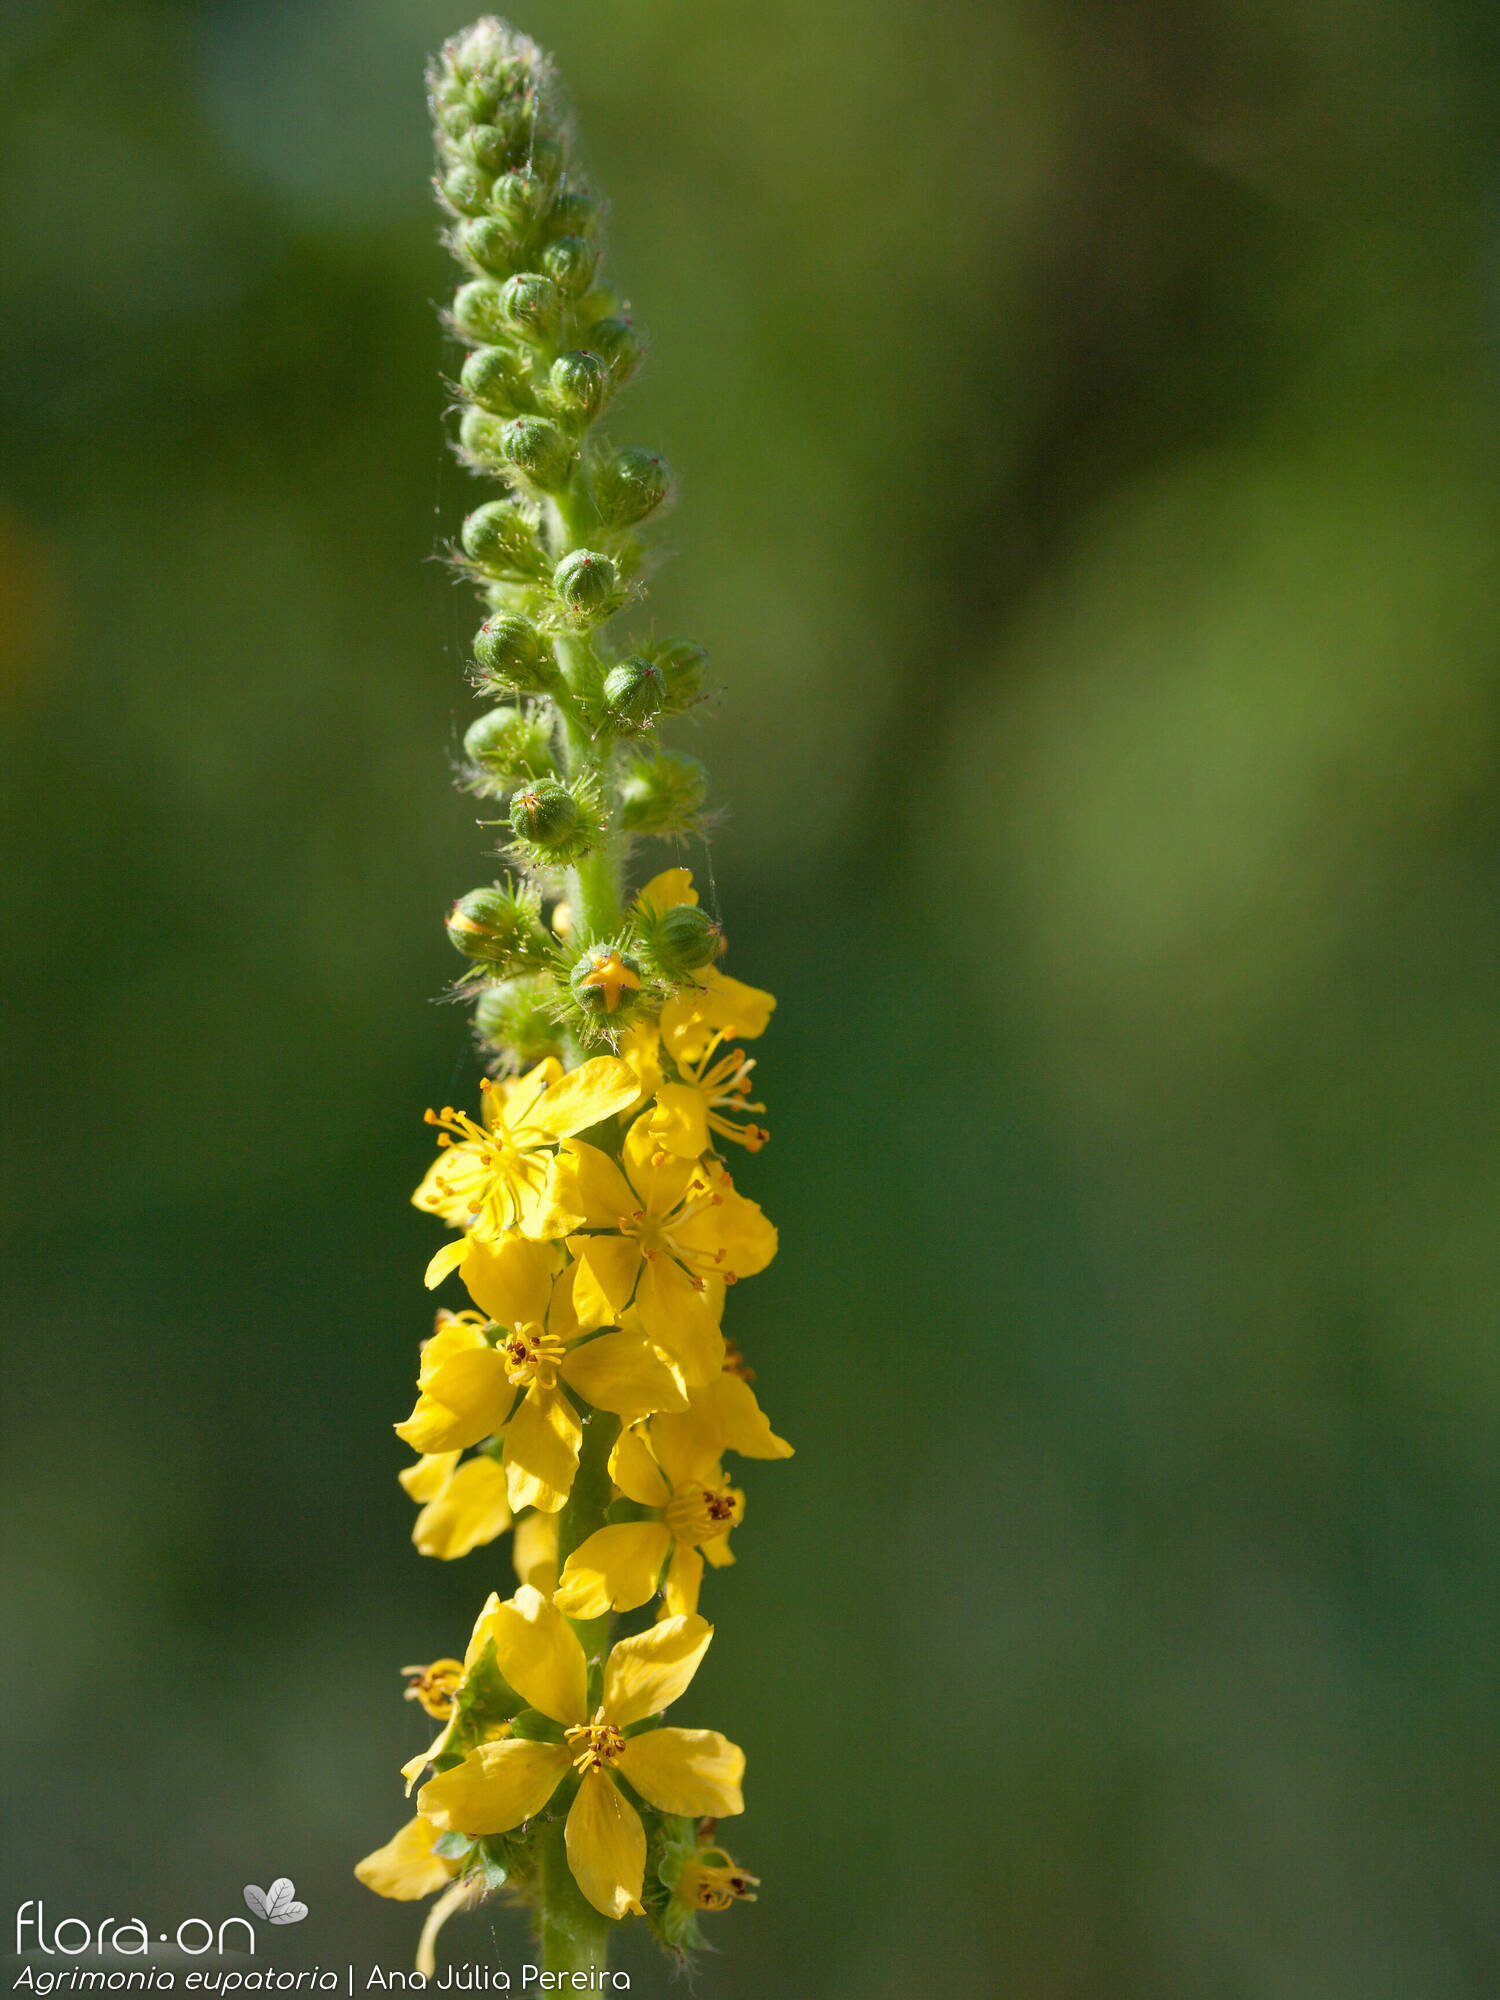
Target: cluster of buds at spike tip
<point>584,1398</point>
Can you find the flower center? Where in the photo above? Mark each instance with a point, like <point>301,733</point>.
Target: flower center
<point>594,1746</point>
<point>531,1354</point>
<point>706,1887</point>
<point>697,1513</point>
<point>658,1232</point>
<point>723,1078</point>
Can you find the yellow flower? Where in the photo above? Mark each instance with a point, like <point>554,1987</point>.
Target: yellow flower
<point>533,1550</point>
<point>695,1507</point>
<point>516,1388</point>
<point>435,1686</point>
<point>464,1506</point>
<point>668,1230</point>
<point>406,1867</point>
<point>493,1178</point>
<point>687,1771</point>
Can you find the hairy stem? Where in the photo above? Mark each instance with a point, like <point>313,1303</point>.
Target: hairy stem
<point>573,1935</point>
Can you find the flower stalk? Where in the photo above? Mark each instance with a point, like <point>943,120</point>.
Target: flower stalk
<point>580,1395</point>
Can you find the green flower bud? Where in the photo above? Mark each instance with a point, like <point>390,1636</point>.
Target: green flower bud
<point>663,794</point>
<point>570,261</point>
<point>517,200</point>
<point>500,538</point>
<point>606,985</point>
<point>482,439</point>
<point>532,307</point>
<point>488,245</point>
<point>547,817</point>
<point>466,189</point>
<point>684,672</point>
<point>509,746</point>
<point>513,656</point>
<point>680,941</point>
<point>546,157</point>
<point>476,311</point>
<point>498,926</point>
<point>629,485</point>
<point>619,347</point>
<point>633,693</point>
<point>538,449</point>
<point>455,119</point>
<point>575,213</point>
<point>491,376</point>
<point>495,147</point>
<point>585,585</point>
<point>578,381</point>
<point>515,1018</point>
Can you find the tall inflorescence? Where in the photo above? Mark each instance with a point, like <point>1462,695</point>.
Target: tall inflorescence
<point>584,1398</point>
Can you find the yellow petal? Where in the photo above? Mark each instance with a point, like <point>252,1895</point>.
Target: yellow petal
<point>641,1048</point>
<point>494,1788</point>
<point>684,1580</point>
<point>680,1121</point>
<point>677,1317</point>
<point>622,1372</point>
<point>586,1096</point>
<point>406,1867</point>
<point>533,1550</point>
<point>447,1259</point>
<point>509,1103</point>
<point>536,1651</point>
<point>691,1771</point>
<point>413,1768</point>
<point>466,1398</point>
<point>636,1472</point>
<point>541,1451</point>
<point>453,1336</point>
<point>592,1186</point>
<point>427,1478</point>
<point>716,1005</point>
<point>615,1569</point>
<point>659,1178</point>
<point>647,1672</point>
<point>735,1227</point>
<point>509,1279</point>
<point>472,1509</point>
<point>458,1897</point>
<point>666,890</point>
<point>606,1847</point>
<point>605,1282</point>
<point>687,1443</point>
<point>729,1403</point>
<point>718,1552</point>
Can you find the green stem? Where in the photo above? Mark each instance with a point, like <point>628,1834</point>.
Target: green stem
<point>573,1935</point>
<point>597,878</point>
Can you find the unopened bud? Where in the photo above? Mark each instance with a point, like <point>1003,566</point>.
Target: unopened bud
<point>574,213</point>
<point>538,449</point>
<point>513,655</point>
<point>476,310</point>
<point>510,746</point>
<point>515,1018</point>
<point>492,376</point>
<point>681,940</point>
<point>466,189</point>
<point>633,692</point>
<point>517,200</point>
<point>488,244</point>
<point>629,485</point>
<point>547,816</point>
<point>585,584</point>
<point>495,147</point>
<point>501,538</point>
<point>619,347</point>
<point>663,794</point>
<point>570,261</point>
<point>684,672</point>
<point>578,381</point>
<point>497,927</point>
<point>531,306</point>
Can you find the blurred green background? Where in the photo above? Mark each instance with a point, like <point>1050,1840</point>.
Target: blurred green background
<point>1087,420</point>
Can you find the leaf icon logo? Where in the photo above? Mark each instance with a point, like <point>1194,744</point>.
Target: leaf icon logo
<point>278,1904</point>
